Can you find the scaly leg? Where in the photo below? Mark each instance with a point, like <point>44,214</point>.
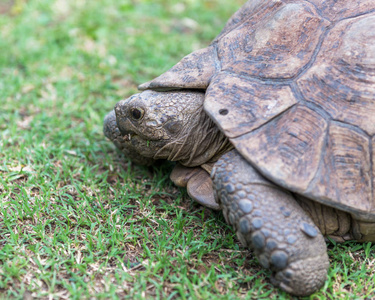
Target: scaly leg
<point>269,221</point>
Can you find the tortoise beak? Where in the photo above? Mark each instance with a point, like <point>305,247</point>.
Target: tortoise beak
<point>112,132</point>
<point>110,126</point>
<point>122,119</point>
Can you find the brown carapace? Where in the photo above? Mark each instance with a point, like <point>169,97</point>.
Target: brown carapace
<point>292,84</point>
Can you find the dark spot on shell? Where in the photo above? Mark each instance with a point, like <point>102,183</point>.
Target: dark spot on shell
<point>279,259</point>
<point>245,205</point>
<point>309,230</point>
<point>258,240</point>
<point>223,112</point>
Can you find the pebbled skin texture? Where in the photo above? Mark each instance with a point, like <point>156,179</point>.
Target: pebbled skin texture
<point>269,220</point>
<point>166,125</point>
<point>112,132</point>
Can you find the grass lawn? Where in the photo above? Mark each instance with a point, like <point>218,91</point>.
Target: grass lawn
<point>77,220</point>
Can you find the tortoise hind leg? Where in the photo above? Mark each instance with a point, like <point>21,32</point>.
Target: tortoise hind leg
<point>269,221</point>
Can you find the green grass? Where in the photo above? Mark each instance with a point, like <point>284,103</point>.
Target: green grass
<point>77,220</point>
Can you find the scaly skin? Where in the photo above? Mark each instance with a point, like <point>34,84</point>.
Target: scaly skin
<point>172,125</point>
<point>112,132</point>
<point>166,125</point>
<point>268,220</point>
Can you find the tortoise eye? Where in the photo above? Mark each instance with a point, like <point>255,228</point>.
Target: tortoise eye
<point>137,113</point>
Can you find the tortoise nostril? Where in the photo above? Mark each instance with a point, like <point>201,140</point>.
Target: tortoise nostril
<point>118,109</point>
<point>223,112</point>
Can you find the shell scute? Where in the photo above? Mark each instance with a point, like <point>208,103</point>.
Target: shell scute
<point>240,105</point>
<point>345,173</point>
<point>342,79</point>
<point>194,71</point>
<point>339,9</point>
<point>275,44</point>
<point>250,9</point>
<point>287,150</point>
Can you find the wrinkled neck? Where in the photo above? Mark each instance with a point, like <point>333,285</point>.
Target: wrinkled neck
<point>199,143</point>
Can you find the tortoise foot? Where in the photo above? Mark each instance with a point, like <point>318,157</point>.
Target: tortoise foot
<point>269,221</point>
<point>302,277</point>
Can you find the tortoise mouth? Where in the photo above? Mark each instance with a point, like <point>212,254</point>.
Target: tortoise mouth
<point>113,132</point>
<point>124,142</point>
<point>126,134</point>
<point>127,137</point>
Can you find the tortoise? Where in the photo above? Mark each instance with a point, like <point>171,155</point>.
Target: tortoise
<point>274,124</point>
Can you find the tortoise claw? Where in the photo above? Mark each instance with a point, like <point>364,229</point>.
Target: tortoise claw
<point>198,183</point>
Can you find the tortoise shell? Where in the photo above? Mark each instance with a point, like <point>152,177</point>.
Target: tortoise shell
<point>292,84</point>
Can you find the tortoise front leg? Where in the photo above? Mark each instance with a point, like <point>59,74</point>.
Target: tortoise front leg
<point>269,221</point>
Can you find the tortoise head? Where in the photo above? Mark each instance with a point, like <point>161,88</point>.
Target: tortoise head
<point>165,125</point>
